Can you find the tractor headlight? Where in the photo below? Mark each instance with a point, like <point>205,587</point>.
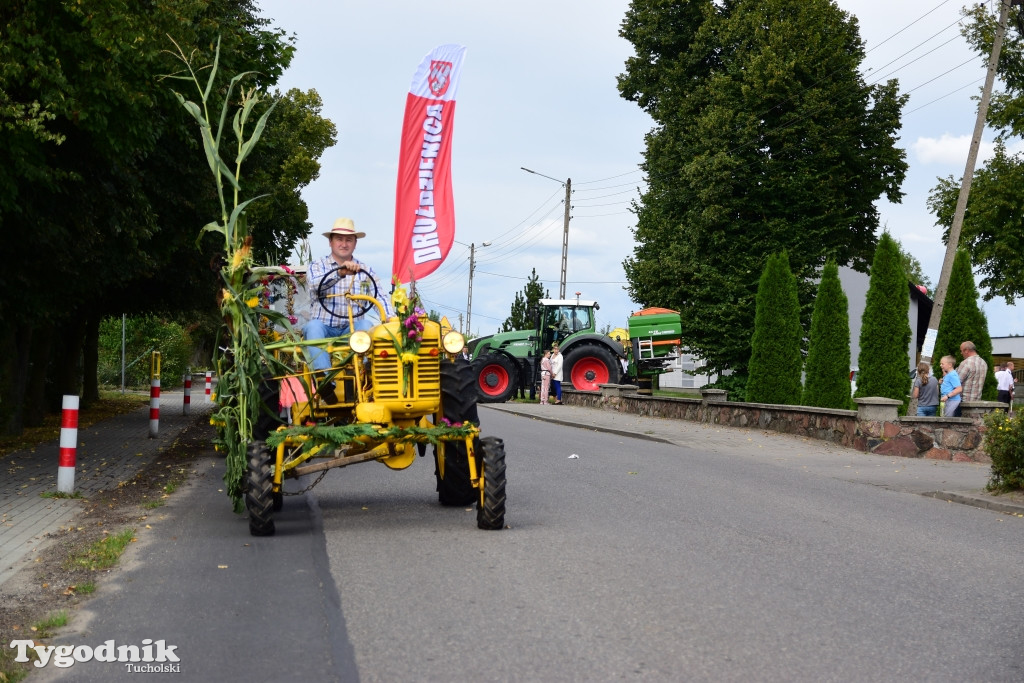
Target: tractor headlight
<point>360,341</point>
<point>453,342</point>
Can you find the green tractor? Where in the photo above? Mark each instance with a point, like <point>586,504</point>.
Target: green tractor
<point>504,361</point>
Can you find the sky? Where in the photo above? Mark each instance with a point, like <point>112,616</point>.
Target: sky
<point>538,90</point>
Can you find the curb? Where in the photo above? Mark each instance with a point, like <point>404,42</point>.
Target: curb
<point>977,501</point>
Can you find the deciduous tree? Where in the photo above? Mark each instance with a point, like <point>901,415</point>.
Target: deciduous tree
<point>766,138</point>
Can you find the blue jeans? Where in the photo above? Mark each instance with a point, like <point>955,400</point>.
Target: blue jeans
<point>927,411</point>
<point>318,329</point>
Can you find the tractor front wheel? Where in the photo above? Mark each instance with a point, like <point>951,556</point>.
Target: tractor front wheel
<point>458,404</point>
<point>496,378</point>
<point>259,490</point>
<point>490,513</point>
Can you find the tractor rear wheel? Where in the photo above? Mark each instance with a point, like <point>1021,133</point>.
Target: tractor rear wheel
<point>259,490</point>
<point>458,404</point>
<point>590,365</point>
<point>496,378</point>
<point>490,514</point>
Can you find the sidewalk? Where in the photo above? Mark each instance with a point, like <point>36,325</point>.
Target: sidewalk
<point>109,452</point>
<point>952,481</point>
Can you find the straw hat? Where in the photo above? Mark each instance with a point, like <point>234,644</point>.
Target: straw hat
<point>344,226</point>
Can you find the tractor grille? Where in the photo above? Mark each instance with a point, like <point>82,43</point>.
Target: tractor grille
<point>387,372</point>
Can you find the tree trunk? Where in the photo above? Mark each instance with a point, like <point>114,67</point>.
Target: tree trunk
<point>68,360</point>
<point>90,361</point>
<point>39,362</point>
<point>15,343</point>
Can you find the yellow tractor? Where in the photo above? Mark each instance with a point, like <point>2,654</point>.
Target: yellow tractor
<point>386,396</point>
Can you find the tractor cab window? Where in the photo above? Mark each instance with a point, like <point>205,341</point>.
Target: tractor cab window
<point>561,321</point>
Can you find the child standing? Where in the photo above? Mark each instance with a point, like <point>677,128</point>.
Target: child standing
<point>545,377</point>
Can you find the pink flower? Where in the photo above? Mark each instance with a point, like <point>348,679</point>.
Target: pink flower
<point>292,319</point>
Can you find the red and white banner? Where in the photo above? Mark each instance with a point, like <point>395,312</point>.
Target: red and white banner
<point>424,208</point>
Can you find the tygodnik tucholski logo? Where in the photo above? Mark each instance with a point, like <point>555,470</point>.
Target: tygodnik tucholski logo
<point>149,657</point>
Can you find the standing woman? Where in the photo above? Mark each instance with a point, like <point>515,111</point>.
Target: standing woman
<point>926,391</point>
<point>556,373</point>
<point>951,388</point>
<point>545,377</point>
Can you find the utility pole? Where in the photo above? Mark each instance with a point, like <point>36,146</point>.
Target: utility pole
<point>565,238</point>
<point>469,301</point>
<point>472,267</point>
<point>565,232</point>
<point>965,187</point>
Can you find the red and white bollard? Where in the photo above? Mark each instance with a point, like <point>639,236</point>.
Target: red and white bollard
<point>154,408</point>
<point>186,401</point>
<point>68,445</point>
<point>209,384</point>
<point>154,396</point>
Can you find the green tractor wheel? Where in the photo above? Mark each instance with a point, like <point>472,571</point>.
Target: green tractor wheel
<point>458,404</point>
<point>491,514</point>
<point>259,490</point>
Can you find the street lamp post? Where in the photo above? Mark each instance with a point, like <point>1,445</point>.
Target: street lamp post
<point>472,267</point>
<point>565,232</point>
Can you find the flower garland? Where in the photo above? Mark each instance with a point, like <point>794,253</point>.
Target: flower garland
<point>410,314</point>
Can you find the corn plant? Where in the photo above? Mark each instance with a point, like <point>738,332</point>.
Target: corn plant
<point>245,363</point>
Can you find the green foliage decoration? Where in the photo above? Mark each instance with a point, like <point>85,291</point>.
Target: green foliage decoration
<point>247,362</point>
<point>1004,443</point>
<point>827,383</point>
<point>336,436</point>
<point>963,320</point>
<point>776,360</point>
<point>884,361</point>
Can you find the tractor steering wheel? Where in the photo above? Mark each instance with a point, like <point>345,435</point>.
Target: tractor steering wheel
<point>326,283</point>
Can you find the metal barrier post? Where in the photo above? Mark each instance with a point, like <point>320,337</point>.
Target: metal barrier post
<point>68,445</point>
<point>209,383</point>
<point>154,395</point>
<point>186,401</point>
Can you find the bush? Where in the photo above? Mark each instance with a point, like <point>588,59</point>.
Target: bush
<point>828,355</point>
<point>143,334</point>
<point>884,360</point>
<point>1004,443</point>
<point>775,360</point>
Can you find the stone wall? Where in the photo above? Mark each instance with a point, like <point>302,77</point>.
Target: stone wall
<point>874,427</point>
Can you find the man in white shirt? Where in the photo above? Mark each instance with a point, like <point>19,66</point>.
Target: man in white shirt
<point>1004,384</point>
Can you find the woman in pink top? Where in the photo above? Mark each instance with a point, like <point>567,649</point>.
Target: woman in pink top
<point>545,377</point>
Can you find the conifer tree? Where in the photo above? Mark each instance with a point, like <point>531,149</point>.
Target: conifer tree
<point>884,360</point>
<point>776,361</point>
<point>962,320</point>
<point>827,383</point>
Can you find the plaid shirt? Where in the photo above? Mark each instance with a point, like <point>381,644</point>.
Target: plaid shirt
<point>357,284</point>
<point>972,371</point>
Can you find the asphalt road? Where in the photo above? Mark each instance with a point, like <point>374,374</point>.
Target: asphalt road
<point>634,560</point>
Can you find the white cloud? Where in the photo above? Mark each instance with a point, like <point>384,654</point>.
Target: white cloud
<point>953,149</point>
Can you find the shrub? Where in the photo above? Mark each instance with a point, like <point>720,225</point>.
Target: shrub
<point>963,320</point>
<point>828,356</point>
<point>884,360</point>
<point>775,360</point>
<point>1004,443</point>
